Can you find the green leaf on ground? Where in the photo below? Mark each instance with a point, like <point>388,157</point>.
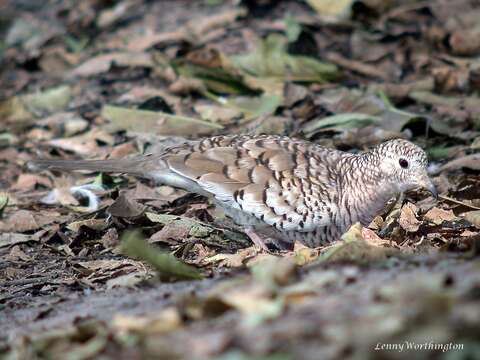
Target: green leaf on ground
<point>271,60</point>
<point>471,104</point>
<point>218,80</point>
<point>167,265</point>
<point>341,121</point>
<point>156,122</point>
<point>358,109</point>
<point>26,107</point>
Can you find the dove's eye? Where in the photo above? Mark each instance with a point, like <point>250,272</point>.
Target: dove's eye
<point>403,163</point>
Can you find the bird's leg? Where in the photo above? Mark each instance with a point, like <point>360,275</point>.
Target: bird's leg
<point>257,240</point>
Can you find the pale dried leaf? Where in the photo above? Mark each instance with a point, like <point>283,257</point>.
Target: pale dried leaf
<point>473,217</point>
<point>408,218</point>
<point>102,63</point>
<point>165,321</point>
<point>437,215</point>
<point>9,239</point>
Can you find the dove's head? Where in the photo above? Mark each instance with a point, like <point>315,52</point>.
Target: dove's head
<point>404,165</point>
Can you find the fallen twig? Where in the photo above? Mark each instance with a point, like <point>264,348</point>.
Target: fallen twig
<point>458,202</point>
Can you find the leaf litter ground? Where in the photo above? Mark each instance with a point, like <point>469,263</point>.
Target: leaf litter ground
<point>98,79</point>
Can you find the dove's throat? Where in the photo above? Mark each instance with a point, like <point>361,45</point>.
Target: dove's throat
<point>365,191</point>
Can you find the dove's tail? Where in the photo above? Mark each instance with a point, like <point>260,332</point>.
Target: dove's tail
<point>129,166</point>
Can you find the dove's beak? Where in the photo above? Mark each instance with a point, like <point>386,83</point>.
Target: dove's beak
<point>426,183</point>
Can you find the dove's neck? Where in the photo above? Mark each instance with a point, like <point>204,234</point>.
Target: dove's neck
<point>365,190</point>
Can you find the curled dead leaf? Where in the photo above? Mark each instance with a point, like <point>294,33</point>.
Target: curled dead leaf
<point>16,254</point>
<point>95,224</point>
<point>9,239</point>
<point>303,254</point>
<point>437,215</point>
<point>359,245</point>
<point>21,221</point>
<point>408,218</point>
<point>473,217</point>
<point>125,207</point>
<point>27,182</point>
<point>163,322</point>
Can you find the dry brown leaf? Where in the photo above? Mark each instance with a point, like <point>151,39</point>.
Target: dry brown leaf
<point>9,239</point>
<point>450,79</point>
<point>199,253</point>
<point>85,144</point>
<point>122,150</point>
<point>171,233</point>
<point>437,215</point>
<point>115,13</point>
<point>185,86</point>
<point>303,254</point>
<point>200,27</point>
<point>102,63</point>
<point>372,238</point>
<point>21,221</point>
<point>16,254</point>
<point>354,247</point>
<point>139,94</point>
<point>239,259</point>
<point>125,207</point>
<point>108,265</point>
<point>250,301</point>
<point>332,10</point>
<point>165,321</point>
<point>377,223</point>
<point>57,61</point>
<point>367,135</point>
<point>150,38</point>
<point>143,192</point>
<point>64,124</point>
<point>165,195</point>
<point>408,218</point>
<point>24,220</point>
<point>468,233</point>
<point>127,280</point>
<point>473,217</point>
<point>110,239</point>
<point>465,41</point>
<point>95,224</point>
<point>39,134</point>
<point>30,181</point>
<point>469,161</point>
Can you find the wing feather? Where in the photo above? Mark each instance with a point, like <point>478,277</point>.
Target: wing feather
<point>263,179</point>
